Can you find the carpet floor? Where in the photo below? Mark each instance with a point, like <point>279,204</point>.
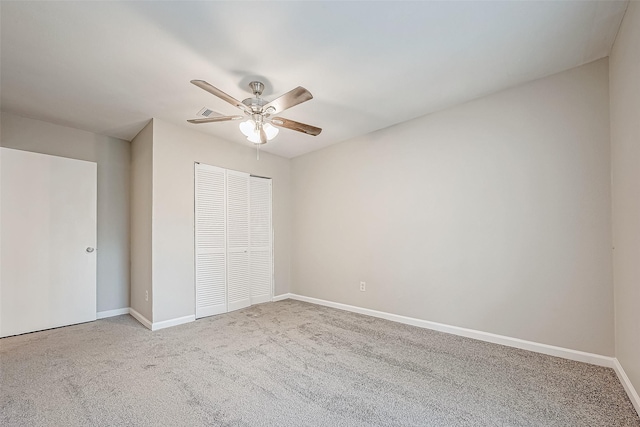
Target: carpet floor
<point>291,363</point>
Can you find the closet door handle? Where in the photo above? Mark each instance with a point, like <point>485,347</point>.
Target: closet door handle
<point>90,249</point>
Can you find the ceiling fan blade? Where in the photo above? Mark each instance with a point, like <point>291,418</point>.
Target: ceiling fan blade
<point>297,126</point>
<point>215,119</point>
<point>288,100</point>
<point>220,94</point>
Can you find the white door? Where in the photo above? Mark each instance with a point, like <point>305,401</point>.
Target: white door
<point>210,240</point>
<point>47,241</point>
<point>238,294</point>
<point>260,247</point>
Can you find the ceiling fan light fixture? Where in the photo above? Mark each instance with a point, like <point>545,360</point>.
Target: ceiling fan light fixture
<point>254,138</point>
<point>249,130</point>
<point>270,130</point>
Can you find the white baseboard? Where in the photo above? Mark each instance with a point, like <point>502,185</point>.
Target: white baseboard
<point>628,387</point>
<point>173,322</point>
<point>281,297</point>
<point>579,356</point>
<point>112,313</point>
<point>155,326</point>
<point>140,318</point>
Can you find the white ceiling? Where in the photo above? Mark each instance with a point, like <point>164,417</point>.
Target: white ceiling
<point>108,67</point>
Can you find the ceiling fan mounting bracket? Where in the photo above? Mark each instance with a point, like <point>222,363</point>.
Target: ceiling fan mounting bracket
<point>256,88</point>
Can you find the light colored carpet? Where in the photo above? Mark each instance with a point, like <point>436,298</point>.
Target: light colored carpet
<point>293,364</point>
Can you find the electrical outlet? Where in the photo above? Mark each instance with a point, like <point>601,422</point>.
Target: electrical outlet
<point>363,286</point>
<point>146,295</point>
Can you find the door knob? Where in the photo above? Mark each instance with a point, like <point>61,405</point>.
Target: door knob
<point>89,250</point>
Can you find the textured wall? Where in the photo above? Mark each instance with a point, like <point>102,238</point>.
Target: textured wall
<point>493,215</point>
<point>141,221</point>
<point>625,152</point>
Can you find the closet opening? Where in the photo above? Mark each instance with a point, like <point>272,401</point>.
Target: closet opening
<point>233,240</point>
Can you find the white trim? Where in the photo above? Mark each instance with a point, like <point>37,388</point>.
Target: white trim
<point>260,300</point>
<point>173,322</point>
<point>283,297</point>
<point>566,353</point>
<point>161,325</point>
<point>140,318</point>
<point>112,313</point>
<point>626,383</point>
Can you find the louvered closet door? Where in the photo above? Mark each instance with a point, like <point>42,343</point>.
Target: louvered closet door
<point>210,240</point>
<point>238,294</point>
<point>260,258</point>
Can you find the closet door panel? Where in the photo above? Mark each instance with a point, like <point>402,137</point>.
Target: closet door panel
<point>260,250</point>
<point>260,277</point>
<point>238,277</point>
<point>238,294</point>
<point>211,295</point>
<point>210,240</point>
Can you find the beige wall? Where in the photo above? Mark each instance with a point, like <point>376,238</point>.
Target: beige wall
<point>112,157</point>
<point>175,151</point>
<point>625,150</point>
<point>493,215</point>
<point>141,221</point>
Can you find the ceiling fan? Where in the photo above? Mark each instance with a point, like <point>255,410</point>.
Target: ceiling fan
<point>260,127</point>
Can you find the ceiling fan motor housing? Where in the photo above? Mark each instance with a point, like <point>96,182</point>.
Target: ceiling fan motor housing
<point>255,104</point>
